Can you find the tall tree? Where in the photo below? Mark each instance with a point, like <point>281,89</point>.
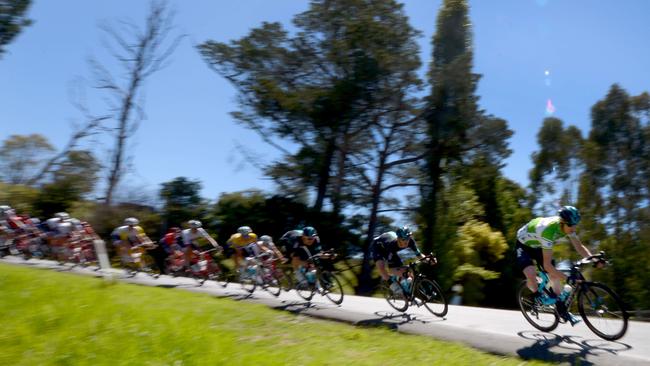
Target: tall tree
<point>616,190</point>
<point>451,107</point>
<point>13,19</point>
<point>141,53</point>
<point>557,165</point>
<point>182,201</point>
<point>320,88</point>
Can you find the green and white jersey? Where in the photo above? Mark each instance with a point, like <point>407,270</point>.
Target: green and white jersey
<point>542,232</point>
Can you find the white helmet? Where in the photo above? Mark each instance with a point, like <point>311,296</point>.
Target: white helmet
<point>62,215</point>
<point>195,224</point>
<point>131,221</point>
<point>245,230</point>
<point>4,208</point>
<point>35,221</point>
<point>266,239</point>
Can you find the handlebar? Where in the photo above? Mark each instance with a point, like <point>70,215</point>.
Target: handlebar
<point>599,258</point>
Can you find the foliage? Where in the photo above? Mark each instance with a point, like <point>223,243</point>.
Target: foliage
<point>476,248</point>
<point>274,216</point>
<point>19,197</point>
<point>12,20</point>
<point>182,201</point>
<point>21,156</point>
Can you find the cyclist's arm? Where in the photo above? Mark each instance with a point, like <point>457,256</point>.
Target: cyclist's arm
<point>577,244</point>
<point>209,238</point>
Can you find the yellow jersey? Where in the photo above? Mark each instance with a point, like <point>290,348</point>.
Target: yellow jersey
<point>239,241</point>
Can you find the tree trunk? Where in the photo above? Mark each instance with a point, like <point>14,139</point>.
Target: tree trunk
<point>324,175</point>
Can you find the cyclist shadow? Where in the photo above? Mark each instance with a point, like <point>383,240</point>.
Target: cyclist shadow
<point>296,307</point>
<point>571,349</point>
<point>393,321</point>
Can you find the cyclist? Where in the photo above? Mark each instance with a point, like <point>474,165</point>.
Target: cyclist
<point>190,239</point>
<point>535,242</point>
<point>395,249</point>
<point>301,244</point>
<point>127,235</point>
<point>243,242</point>
<point>266,245</point>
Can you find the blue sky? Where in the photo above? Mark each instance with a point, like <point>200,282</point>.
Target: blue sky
<point>584,46</point>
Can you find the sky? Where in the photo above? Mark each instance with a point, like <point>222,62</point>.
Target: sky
<point>537,58</point>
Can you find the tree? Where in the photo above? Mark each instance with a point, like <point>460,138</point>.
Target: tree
<point>21,156</point>
<point>321,88</point>
<point>557,164</point>
<point>141,53</point>
<point>477,248</point>
<point>12,20</point>
<point>182,201</point>
<point>451,109</point>
<point>614,189</point>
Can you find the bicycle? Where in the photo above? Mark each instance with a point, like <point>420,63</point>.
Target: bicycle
<point>137,260</point>
<point>323,282</point>
<point>599,307</point>
<point>422,291</point>
<point>203,267</point>
<point>256,272</point>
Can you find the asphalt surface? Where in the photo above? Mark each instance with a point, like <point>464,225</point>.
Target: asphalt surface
<point>503,332</point>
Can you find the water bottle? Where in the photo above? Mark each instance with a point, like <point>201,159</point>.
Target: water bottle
<point>311,276</point>
<point>406,284</point>
<point>566,291</point>
<point>250,271</point>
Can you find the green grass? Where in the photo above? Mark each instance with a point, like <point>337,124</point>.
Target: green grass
<point>51,318</point>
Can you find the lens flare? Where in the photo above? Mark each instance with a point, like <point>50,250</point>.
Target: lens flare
<point>550,108</point>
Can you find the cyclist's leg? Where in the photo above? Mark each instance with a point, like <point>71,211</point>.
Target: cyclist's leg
<point>526,265</point>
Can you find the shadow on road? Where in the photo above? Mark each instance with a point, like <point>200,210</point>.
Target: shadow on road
<point>392,321</point>
<point>571,349</point>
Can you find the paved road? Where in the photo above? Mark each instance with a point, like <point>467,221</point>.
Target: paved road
<point>497,331</point>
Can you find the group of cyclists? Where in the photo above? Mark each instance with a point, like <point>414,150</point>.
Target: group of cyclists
<point>61,237</point>
<point>392,251</point>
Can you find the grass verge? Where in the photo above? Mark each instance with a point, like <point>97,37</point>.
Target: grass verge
<point>51,318</point>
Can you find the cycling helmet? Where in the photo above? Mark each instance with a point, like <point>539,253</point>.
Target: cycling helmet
<point>309,231</point>
<point>35,221</point>
<point>195,224</point>
<point>4,208</point>
<point>403,233</point>
<point>245,230</point>
<point>266,239</point>
<point>570,215</point>
<point>62,215</point>
<point>131,221</point>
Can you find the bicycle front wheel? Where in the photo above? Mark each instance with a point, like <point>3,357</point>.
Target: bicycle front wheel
<point>432,297</point>
<point>272,284</point>
<point>542,317</point>
<point>330,286</point>
<point>602,311</point>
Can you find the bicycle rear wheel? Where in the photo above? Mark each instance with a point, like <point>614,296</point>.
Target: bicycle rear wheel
<point>330,286</point>
<point>396,301</point>
<point>542,317</point>
<point>432,297</point>
<point>602,311</point>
